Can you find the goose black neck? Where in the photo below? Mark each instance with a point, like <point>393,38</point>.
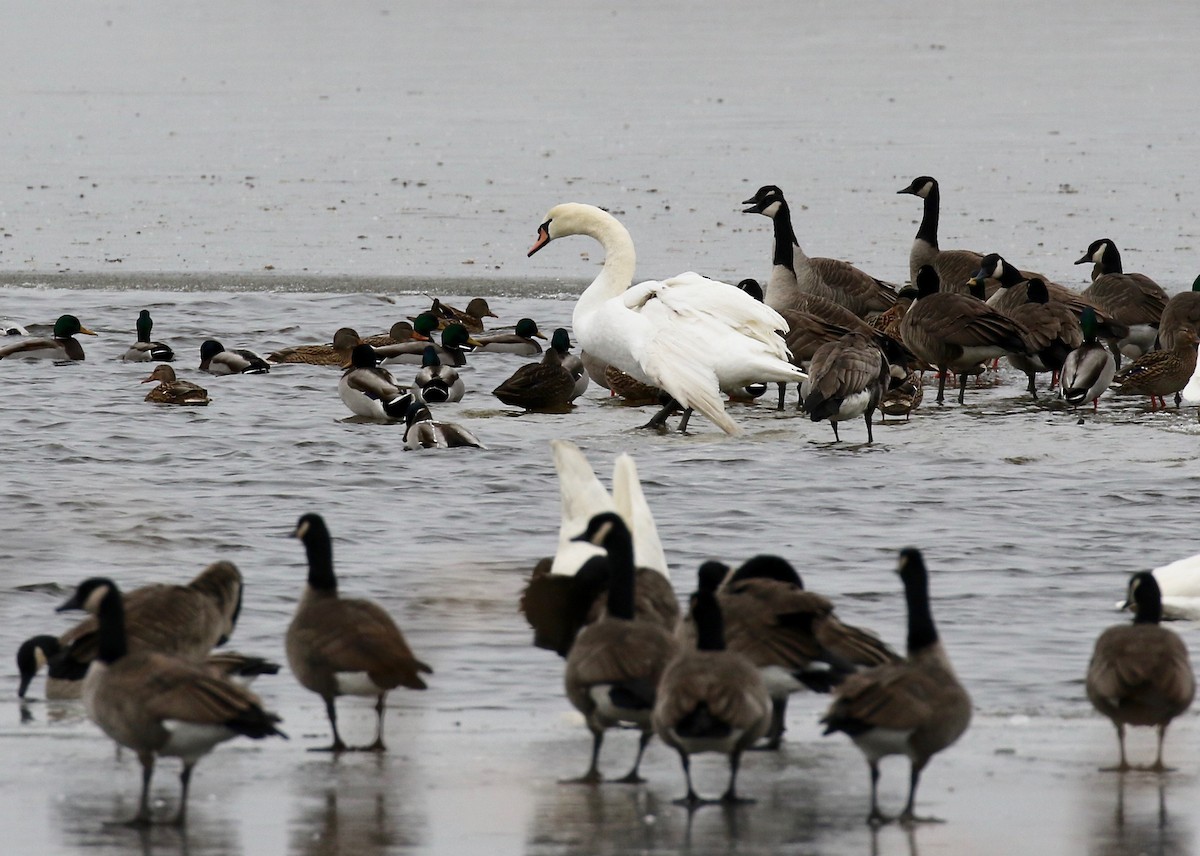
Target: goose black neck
<point>110,638</point>
<point>1150,612</point>
<point>619,546</point>
<point>785,237</point>
<point>1110,262</point>
<point>921,631</point>
<point>928,230</point>
<point>319,547</point>
<point>710,625</point>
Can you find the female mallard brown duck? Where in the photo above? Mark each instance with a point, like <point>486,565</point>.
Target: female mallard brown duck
<point>561,342</point>
<point>143,350</point>
<point>335,354</point>
<point>62,346</point>
<point>903,396</point>
<point>520,341</point>
<point>630,388</point>
<point>171,390</point>
<point>1160,373</point>
<point>546,385</point>
<point>399,333</point>
<point>471,318</point>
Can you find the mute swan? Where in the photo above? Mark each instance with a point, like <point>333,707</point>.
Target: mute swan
<point>689,335</point>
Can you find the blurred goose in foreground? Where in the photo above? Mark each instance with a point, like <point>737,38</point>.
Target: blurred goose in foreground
<point>791,635</point>
<point>335,354</point>
<point>421,431</point>
<point>1160,373</point>
<point>61,346</point>
<point>144,350</point>
<point>157,704</point>
<point>710,699</point>
<point>345,646</point>
<point>569,591</point>
<point>1132,299</point>
<point>370,391</point>
<point>521,341</point>
<point>436,383</point>
<point>560,341</point>
<point>956,332</point>
<point>214,359</point>
<point>171,390</point>
<point>1052,333</point>
<point>846,379</point>
<point>1089,369</point>
<point>832,279</point>
<point>689,335</point>
<point>471,318</point>
<point>544,385</point>
<point>1182,312</point>
<point>616,662</point>
<point>1140,673</point>
<point>915,707</point>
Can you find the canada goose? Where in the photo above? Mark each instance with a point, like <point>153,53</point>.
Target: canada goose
<point>171,390</point>
<point>1140,673</point>
<point>345,646</point>
<point>1013,283</point>
<point>689,335</point>
<point>560,341</point>
<point>143,350</point>
<point>1179,585</point>
<point>544,385</point>
<point>915,707</point>
<point>62,346</point>
<point>521,341</point>
<point>710,699</point>
<point>157,704</point>
<point>451,351</point>
<point>422,431</point>
<point>214,359</point>
<point>335,354</point>
<point>954,267</point>
<point>1181,312</point>
<point>370,391</point>
<point>1160,373</point>
<point>1089,369</point>
<point>399,333</point>
<point>790,634</point>
<point>1052,332</point>
<point>471,317</point>
<point>832,279</point>
<point>614,667</point>
<point>846,379</point>
<point>955,332</point>
<point>1132,299</point>
<point>435,382</point>
<point>903,395</point>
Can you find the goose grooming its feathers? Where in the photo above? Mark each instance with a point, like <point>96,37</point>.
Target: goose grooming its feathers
<point>689,335</point>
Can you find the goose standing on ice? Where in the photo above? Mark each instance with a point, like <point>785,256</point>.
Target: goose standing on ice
<point>689,335</point>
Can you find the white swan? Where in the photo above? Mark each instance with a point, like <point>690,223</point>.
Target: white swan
<point>690,335</point>
<point>583,496</point>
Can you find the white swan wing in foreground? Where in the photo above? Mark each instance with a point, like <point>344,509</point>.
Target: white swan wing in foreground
<point>633,508</point>
<point>583,496</point>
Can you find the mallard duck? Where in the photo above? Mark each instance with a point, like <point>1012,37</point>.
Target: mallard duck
<point>471,318</point>
<point>1140,673</point>
<point>1160,373</point>
<point>904,395</point>
<point>561,342</point>
<point>520,341</point>
<point>422,432</point>
<point>916,707</point>
<point>62,346</point>
<point>1132,299</point>
<point>214,359</point>
<point>632,390</point>
<point>400,332</point>
<point>545,385</point>
<point>345,646</point>
<point>451,352</point>
<point>370,391</point>
<point>846,379</point>
<point>1089,369</point>
<point>956,332</point>
<point>435,382</point>
<point>832,279</point>
<point>335,354</point>
<point>143,350</point>
<point>710,698</point>
<point>157,704</point>
<point>173,391</point>
<point>1182,312</point>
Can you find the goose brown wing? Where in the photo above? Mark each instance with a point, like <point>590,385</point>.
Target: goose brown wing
<point>359,636</point>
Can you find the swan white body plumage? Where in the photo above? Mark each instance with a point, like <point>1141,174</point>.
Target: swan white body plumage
<point>690,335</point>
<point>583,497</point>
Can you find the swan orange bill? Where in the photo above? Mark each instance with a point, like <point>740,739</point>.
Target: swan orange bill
<point>543,238</point>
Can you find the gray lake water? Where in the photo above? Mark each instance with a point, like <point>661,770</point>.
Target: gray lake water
<point>264,175</point>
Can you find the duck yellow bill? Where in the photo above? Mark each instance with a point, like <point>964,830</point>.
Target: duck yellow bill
<point>85,331</point>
